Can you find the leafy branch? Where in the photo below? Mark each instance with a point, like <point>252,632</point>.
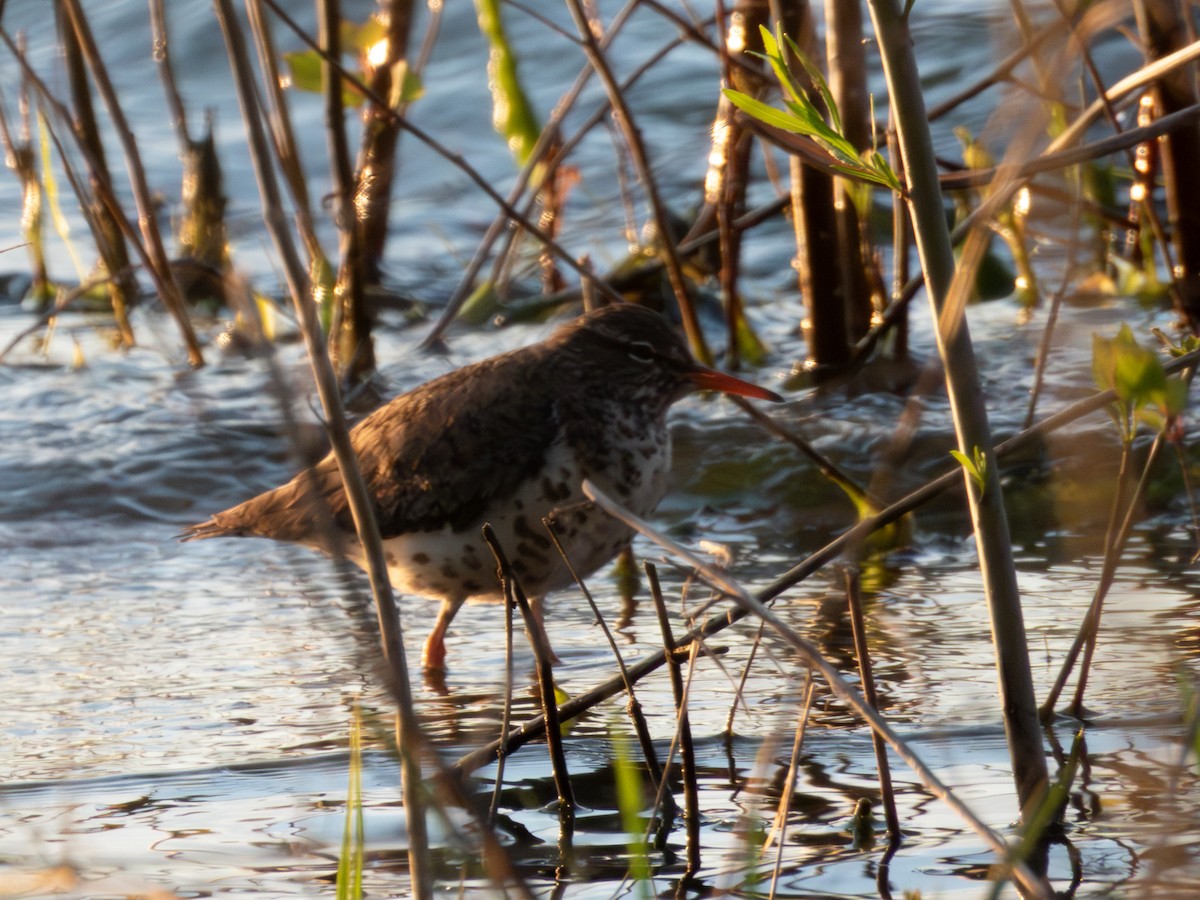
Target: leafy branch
<point>803,117</point>
<point>1145,394</point>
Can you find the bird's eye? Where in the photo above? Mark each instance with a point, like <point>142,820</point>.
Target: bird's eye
<point>640,351</point>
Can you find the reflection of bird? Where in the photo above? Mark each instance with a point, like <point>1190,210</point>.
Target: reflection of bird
<point>505,441</point>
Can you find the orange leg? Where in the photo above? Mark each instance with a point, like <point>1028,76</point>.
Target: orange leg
<point>434,654</point>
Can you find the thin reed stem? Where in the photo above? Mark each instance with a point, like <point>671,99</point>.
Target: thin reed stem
<point>543,657</point>
<point>683,723</point>
<point>641,161</point>
<point>947,295</point>
<point>633,706</point>
<point>159,266</point>
<point>778,832</point>
<point>866,673</point>
<point>409,740</point>
<point>1086,634</point>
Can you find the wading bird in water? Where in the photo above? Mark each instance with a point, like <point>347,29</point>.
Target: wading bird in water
<point>506,441</point>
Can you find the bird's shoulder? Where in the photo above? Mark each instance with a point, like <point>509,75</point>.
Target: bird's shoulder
<point>443,452</point>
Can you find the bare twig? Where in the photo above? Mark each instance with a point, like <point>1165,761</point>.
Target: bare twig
<point>160,267</point>
<point>633,707</point>
<point>842,688</point>
<point>641,161</point>
<point>861,650</point>
<point>409,740</point>
<point>162,55</point>
<point>506,715</point>
<point>683,724</point>
<point>545,672</point>
<point>350,346</point>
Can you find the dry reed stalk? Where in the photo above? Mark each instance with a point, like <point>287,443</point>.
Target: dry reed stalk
<point>641,161</point>
<point>102,220</point>
<point>728,176</point>
<point>809,653</point>
<point>162,56</point>
<point>818,258</point>
<point>683,724</point>
<point>846,52</point>
<point>159,266</point>
<point>543,657</point>
<point>409,737</point>
<point>1164,29</point>
<point>350,346</point>
<point>867,676</point>
<point>633,706</point>
<point>375,169</point>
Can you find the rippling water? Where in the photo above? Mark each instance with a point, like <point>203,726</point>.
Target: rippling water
<point>179,714</point>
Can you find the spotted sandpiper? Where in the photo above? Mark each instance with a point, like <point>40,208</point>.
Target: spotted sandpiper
<point>505,441</point>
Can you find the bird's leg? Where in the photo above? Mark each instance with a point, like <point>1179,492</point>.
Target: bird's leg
<point>537,607</point>
<point>434,654</point>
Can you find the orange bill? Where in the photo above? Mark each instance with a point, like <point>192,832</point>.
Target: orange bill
<point>712,380</point>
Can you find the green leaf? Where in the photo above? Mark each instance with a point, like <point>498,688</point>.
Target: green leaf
<point>512,113</point>
<point>975,466</point>
<point>305,72</point>
<point>803,117</point>
<point>406,85</point>
<point>765,112</point>
<point>1135,373</point>
<point>835,119</point>
<point>356,38</point>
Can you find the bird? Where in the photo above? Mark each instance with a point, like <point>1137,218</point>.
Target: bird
<point>505,441</point>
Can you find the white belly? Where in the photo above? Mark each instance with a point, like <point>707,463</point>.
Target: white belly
<point>450,564</point>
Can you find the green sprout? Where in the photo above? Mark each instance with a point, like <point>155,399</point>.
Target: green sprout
<point>1145,395</point>
<point>975,466</point>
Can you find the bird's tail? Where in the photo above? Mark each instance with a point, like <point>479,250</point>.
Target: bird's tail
<point>211,528</point>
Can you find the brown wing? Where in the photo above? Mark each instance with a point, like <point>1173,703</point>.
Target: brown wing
<point>436,456</point>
